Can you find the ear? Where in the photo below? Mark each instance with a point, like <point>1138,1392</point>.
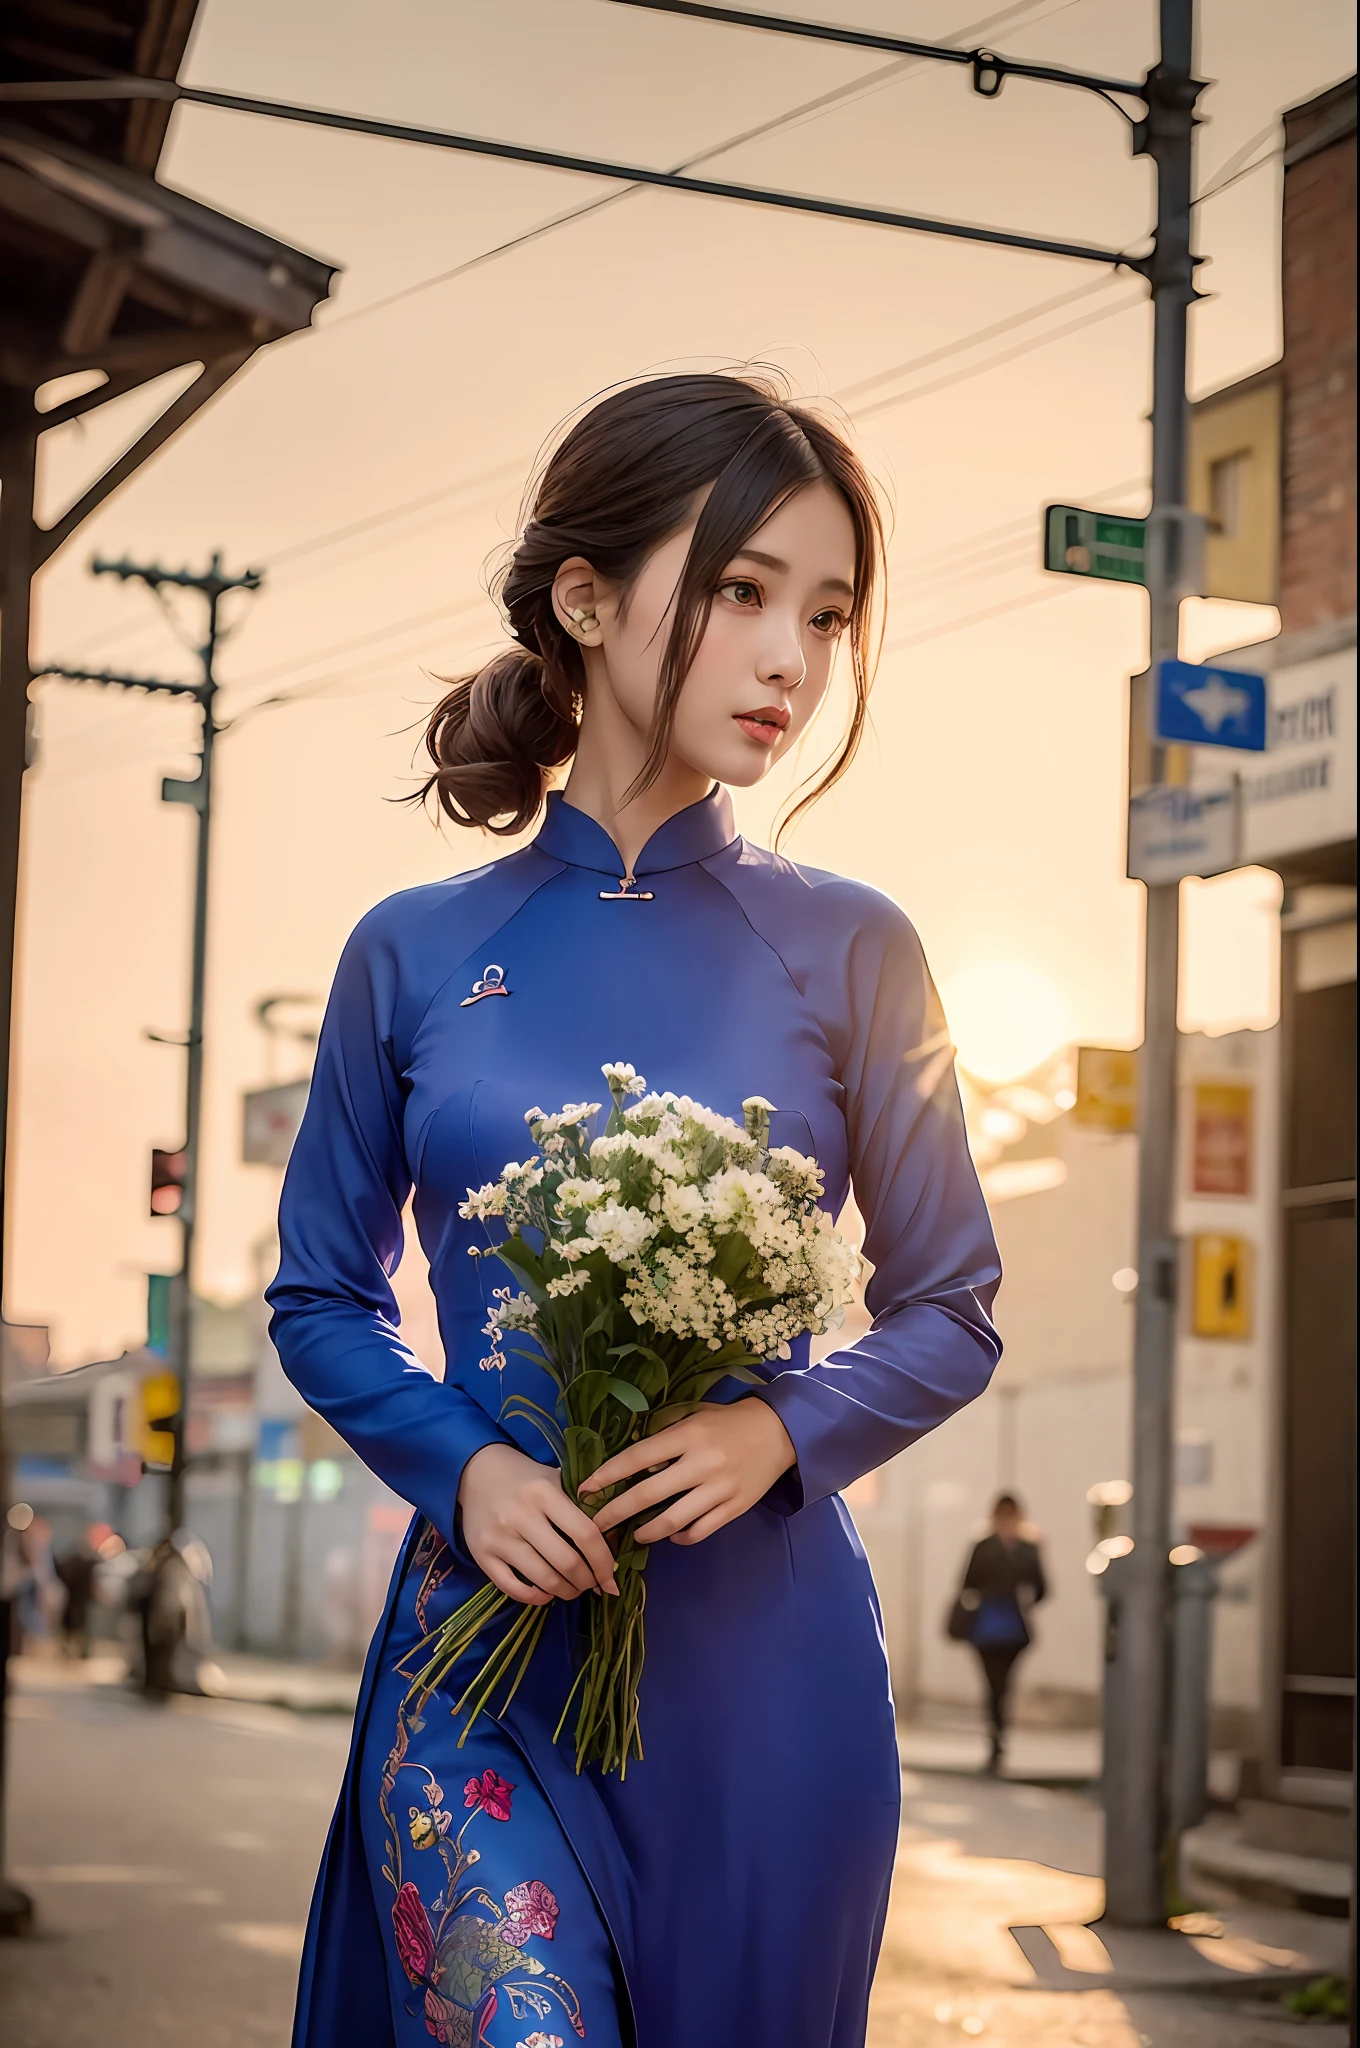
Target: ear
<point>574,592</point>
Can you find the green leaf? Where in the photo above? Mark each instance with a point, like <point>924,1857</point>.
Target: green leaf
<point>526,1265</point>
<point>585,1394</point>
<point>538,1418</point>
<point>632,1397</point>
<point>585,1454</point>
<point>734,1256</point>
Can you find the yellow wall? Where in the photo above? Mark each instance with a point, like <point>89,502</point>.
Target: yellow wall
<point>1245,566</point>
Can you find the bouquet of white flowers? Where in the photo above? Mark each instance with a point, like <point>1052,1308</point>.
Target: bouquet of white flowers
<point>672,1250</point>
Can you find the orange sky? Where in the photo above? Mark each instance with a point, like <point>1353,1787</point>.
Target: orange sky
<point>987,799</point>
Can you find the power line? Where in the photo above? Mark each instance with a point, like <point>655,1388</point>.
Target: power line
<point>1223,184</point>
<point>365,525</point>
<point>973,618</point>
<point>1009,355</point>
<point>351,641</point>
<point>854,89</point>
<point>808,109</point>
<point>950,348</point>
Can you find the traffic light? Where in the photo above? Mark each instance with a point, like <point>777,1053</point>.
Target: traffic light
<point>167,1181</point>
<point>159,1419</point>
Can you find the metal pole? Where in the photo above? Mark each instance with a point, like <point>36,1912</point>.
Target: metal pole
<point>182,1319</point>
<point>18,455</point>
<point>1136,1811</point>
<point>196,791</point>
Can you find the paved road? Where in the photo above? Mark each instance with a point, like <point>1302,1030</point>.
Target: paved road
<point>172,1849</point>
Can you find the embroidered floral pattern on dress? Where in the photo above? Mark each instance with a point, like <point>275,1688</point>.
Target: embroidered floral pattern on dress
<point>465,1953</point>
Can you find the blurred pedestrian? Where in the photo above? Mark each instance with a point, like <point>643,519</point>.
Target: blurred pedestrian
<point>37,1594</point>
<point>75,1571</point>
<point>1003,1581</point>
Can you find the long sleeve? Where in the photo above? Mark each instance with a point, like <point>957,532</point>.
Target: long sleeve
<point>340,1229</point>
<point>932,1346</point>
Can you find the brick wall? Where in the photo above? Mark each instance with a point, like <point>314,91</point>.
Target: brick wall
<point>1317,568</point>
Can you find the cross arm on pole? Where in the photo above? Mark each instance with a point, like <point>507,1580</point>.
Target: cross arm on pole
<point>595,167</point>
<point>118,681</point>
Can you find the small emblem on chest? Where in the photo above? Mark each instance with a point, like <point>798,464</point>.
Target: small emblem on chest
<point>492,983</point>
<point>627,892</point>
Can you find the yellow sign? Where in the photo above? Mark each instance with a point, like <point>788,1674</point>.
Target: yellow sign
<point>159,1403</point>
<point>1222,1292</point>
<point>1107,1088</point>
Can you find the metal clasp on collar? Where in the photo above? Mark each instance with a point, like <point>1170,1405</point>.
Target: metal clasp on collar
<point>627,892</point>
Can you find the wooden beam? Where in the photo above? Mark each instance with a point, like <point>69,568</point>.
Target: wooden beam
<point>76,408</point>
<point>46,540</point>
<point>149,354</point>
<point>96,302</point>
<point>159,54</point>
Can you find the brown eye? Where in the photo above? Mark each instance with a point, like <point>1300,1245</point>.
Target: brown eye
<point>741,592</point>
<point>829,622</point>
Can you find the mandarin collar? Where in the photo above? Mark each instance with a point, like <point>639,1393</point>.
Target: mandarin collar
<point>694,834</point>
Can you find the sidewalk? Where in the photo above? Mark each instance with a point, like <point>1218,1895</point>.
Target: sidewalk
<point>226,1675</point>
<point>995,1930</point>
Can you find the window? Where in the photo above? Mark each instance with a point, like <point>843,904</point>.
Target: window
<point>1227,494</point>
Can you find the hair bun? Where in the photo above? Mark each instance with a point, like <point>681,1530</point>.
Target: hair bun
<point>494,739</point>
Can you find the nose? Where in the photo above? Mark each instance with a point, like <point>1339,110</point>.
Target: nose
<point>783,663</point>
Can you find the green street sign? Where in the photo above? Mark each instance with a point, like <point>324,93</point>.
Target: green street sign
<point>1102,544</point>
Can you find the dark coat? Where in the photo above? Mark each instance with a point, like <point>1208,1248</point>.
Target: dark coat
<point>1010,1574</point>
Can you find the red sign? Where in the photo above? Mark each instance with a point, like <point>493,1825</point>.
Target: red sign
<point>1221,1154</point>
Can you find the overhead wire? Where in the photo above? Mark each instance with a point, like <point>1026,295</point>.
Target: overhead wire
<point>859,88</point>
<point>863,87</point>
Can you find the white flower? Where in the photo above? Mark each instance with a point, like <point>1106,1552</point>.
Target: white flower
<point>521,1173</point>
<point>568,1283</point>
<point>584,1194</point>
<point>487,1201</point>
<point>623,1079</point>
<point>758,1102</point>
<point>682,1206</point>
<point>620,1232</point>
<point>566,1118</point>
<point>794,1171</point>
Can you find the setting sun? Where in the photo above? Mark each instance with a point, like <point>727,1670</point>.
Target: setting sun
<point>1005,1018</point>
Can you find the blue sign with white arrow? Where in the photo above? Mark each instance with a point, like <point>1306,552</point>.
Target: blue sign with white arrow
<point>1200,706</point>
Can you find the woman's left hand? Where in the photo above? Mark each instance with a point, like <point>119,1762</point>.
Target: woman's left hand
<point>720,1461</point>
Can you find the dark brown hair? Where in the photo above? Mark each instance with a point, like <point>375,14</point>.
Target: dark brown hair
<point>623,479</point>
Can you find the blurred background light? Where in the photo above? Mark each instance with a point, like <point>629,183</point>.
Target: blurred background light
<point>1006,1019</point>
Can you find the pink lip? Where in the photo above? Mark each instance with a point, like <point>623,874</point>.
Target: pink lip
<point>766,725</point>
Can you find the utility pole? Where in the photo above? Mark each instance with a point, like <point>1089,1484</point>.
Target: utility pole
<point>213,585</point>
<point>1136,1877</point>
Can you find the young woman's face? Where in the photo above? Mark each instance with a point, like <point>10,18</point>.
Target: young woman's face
<point>764,662</point>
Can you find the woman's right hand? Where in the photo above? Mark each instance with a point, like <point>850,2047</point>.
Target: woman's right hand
<point>532,1542</point>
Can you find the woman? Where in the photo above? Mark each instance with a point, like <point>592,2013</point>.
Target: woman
<point>698,549</point>
<point>1004,1580</point>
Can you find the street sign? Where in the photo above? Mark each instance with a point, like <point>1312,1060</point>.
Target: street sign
<point>1101,544</point>
<point>1202,706</point>
<point>1175,832</point>
<point>270,1119</point>
<point>1107,1089</point>
<point>1221,1141</point>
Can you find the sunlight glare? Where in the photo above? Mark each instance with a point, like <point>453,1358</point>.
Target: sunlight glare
<point>1006,1019</point>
